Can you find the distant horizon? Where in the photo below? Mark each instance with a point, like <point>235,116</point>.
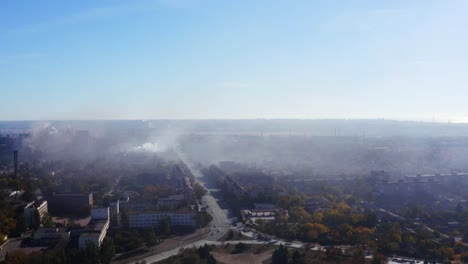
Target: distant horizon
<point>244,119</point>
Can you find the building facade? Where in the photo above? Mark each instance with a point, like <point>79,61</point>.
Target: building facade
<point>95,233</point>
<point>100,213</point>
<point>152,219</point>
<point>34,212</point>
<point>70,203</point>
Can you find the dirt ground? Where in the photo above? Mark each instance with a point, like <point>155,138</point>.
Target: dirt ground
<point>243,258</point>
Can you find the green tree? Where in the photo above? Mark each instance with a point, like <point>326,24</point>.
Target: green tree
<point>165,226</point>
<point>91,253</point>
<point>280,255</point>
<point>125,218</point>
<point>107,250</point>
<point>21,225</point>
<point>211,260</point>
<point>199,191</point>
<point>297,258</point>
<point>47,221</point>
<point>204,251</point>
<point>241,247</point>
<point>190,259</point>
<point>28,195</point>
<point>151,238</point>
<point>358,257</point>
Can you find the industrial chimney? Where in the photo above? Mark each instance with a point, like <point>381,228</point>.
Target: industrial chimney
<point>15,162</point>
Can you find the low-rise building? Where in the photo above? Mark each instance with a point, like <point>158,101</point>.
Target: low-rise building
<point>95,233</point>
<point>49,236</point>
<point>100,213</point>
<point>261,206</point>
<point>250,217</point>
<point>70,203</point>
<point>171,202</point>
<point>152,219</point>
<point>114,211</point>
<point>34,212</point>
<point>97,228</point>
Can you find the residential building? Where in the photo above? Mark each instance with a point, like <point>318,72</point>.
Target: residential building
<point>34,212</point>
<point>70,203</point>
<point>114,211</point>
<point>95,233</point>
<point>97,228</point>
<point>140,220</point>
<point>250,217</point>
<point>100,213</point>
<point>171,202</point>
<point>49,236</point>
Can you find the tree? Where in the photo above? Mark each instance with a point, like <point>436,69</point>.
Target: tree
<point>240,247</point>
<point>358,257</point>
<point>190,259</point>
<point>211,260</point>
<point>203,219</point>
<point>91,253</point>
<point>21,225</point>
<point>125,218</point>
<point>199,191</point>
<point>204,251</point>
<point>280,255</point>
<point>165,226</point>
<point>378,259</point>
<point>107,250</point>
<point>151,238</point>
<point>29,195</point>
<point>47,221</point>
<point>297,258</point>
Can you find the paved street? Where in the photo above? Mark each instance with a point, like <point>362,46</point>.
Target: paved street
<point>221,223</point>
<point>167,254</point>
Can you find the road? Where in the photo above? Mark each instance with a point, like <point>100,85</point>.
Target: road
<point>221,223</point>
<point>170,253</point>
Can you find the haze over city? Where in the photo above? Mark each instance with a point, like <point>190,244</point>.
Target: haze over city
<point>232,132</point>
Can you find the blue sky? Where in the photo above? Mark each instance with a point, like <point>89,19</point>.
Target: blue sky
<point>179,59</point>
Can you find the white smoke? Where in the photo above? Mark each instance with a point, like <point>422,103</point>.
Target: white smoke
<point>149,147</point>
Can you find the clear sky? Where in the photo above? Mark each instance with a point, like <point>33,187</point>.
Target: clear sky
<point>180,59</point>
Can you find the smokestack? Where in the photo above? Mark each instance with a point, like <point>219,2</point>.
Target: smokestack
<point>15,162</point>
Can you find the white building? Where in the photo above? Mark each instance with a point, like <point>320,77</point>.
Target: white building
<point>34,212</point>
<point>96,233</point>
<point>100,213</point>
<point>97,228</point>
<point>171,202</point>
<point>152,219</point>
